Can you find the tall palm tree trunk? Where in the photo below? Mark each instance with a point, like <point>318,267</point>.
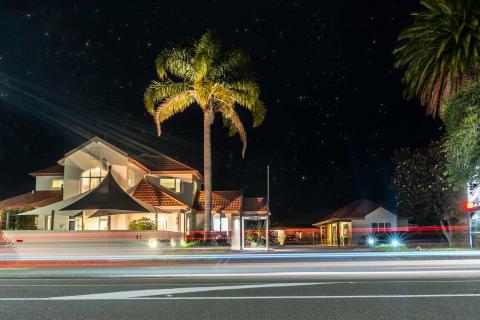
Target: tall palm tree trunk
<point>207,169</point>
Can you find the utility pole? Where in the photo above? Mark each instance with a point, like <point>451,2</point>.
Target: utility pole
<point>267,221</point>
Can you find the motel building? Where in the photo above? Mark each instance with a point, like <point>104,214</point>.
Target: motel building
<point>346,226</point>
<point>98,186</point>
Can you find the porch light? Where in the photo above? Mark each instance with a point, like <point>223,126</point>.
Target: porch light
<point>395,243</point>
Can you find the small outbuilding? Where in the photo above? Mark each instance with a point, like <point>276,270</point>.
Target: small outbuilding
<point>345,226</point>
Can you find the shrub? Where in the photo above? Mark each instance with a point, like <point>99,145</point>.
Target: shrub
<point>17,222</point>
<point>141,224</point>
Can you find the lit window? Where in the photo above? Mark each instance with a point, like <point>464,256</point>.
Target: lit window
<point>91,179</point>
<point>103,223</point>
<point>220,224</point>
<point>172,184</point>
<point>57,183</point>
<point>162,223</point>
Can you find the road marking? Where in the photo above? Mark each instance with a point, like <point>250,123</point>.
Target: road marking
<point>460,295</point>
<point>122,295</point>
<point>376,274</point>
<point>169,297</point>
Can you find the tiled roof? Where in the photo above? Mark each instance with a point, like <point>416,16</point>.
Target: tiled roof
<point>55,170</point>
<point>221,201</point>
<point>255,204</point>
<point>354,210</point>
<point>32,200</point>
<point>148,193</point>
<point>162,163</point>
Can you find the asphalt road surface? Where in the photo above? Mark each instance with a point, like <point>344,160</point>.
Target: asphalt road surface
<point>384,289</point>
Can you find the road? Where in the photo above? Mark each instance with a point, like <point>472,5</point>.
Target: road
<point>279,289</point>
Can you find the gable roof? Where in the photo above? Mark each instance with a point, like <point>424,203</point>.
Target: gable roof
<point>162,162</point>
<point>36,199</point>
<point>94,139</point>
<point>55,170</point>
<point>355,210</point>
<point>221,201</point>
<point>152,195</point>
<point>255,204</point>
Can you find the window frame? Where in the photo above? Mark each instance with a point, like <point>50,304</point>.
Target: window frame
<point>103,174</point>
<point>175,180</point>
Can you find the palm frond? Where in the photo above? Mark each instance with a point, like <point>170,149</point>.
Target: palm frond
<point>232,121</point>
<point>157,91</point>
<point>206,53</point>
<point>177,61</point>
<point>439,50</point>
<point>172,106</point>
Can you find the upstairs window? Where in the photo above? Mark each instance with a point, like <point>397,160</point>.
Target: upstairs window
<point>91,179</point>
<point>173,184</point>
<point>57,183</point>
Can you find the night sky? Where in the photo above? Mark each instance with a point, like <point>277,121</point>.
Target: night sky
<point>70,70</point>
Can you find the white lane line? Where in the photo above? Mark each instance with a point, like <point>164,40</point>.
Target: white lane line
<point>426,273</point>
<point>157,292</point>
<point>391,296</point>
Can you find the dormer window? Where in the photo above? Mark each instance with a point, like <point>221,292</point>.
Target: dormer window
<point>173,184</point>
<point>57,183</point>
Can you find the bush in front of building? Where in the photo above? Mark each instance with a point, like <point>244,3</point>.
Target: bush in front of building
<point>16,222</point>
<point>141,224</point>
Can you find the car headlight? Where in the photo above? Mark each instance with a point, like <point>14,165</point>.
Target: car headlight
<point>395,243</point>
<point>371,241</point>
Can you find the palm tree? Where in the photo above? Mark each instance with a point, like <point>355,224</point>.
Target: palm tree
<point>439,50</point>
<point>217,81</point>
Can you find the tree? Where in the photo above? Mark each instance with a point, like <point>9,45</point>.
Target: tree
<point>422,189</point>
<point>439,50</point>
<point>16,222</point>
<point>462,136</point>
<point>217,81</point>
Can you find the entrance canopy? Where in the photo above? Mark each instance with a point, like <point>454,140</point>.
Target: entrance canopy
<point>57,206</point>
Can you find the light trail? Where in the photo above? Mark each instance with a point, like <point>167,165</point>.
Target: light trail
<point>252,256</point>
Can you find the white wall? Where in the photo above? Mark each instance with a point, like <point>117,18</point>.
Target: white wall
<point>81,160</point>
<point>59,223</point>
<point>381,215</point>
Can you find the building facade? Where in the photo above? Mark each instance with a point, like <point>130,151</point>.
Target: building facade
<point>347,225</point>
<point>169,190</point>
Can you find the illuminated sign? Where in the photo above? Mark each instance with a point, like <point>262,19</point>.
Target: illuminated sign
<point>473,195</point>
